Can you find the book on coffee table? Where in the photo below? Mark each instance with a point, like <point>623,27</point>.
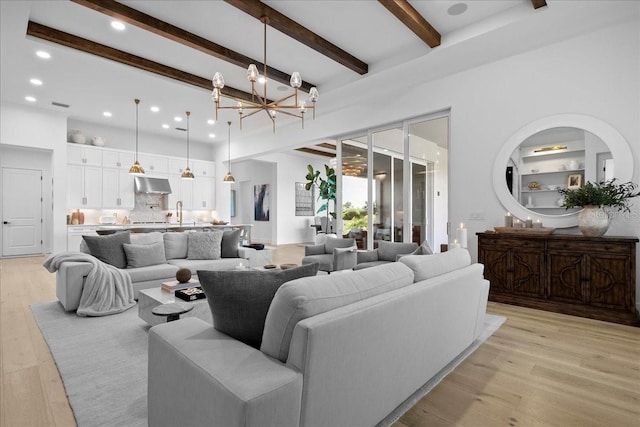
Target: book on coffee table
<point>190,294</point>
<point>174,285</point>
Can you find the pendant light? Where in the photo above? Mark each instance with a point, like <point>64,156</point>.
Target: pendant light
<point>187,174</point>
<point>228,178</point>
<point>135,168</point>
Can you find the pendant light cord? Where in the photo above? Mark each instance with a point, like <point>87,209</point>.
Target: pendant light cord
<point>229,147</point>
<point>137,101</point>
<point>188,114</point>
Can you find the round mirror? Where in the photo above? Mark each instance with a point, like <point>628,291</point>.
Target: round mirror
<point>562,151</point>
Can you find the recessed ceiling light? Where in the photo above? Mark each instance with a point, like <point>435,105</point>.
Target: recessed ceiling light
<point>42,54</point>
<point>107,114</point>
<point>211,121</point>
<point>177,118</point>
<point>30,98</point>
<point>117,25</point>
<point>457,9</point>
<point>165,126</point>
<point>154,109</point>
<point>36,82</point>
<point>212,135</point>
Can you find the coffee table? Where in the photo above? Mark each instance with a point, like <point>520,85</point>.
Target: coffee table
<point>150,298</point>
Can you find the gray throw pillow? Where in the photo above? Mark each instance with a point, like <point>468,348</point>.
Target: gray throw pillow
<point>109,248</point>
<point>229,245</point>
<point>176,245</point>
<point>240,300</point>
<point>204,245</point>
<point>144,255</point>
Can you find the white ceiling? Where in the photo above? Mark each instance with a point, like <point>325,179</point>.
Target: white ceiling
<point>365,29</point>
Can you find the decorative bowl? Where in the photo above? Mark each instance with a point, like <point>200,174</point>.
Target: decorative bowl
<point>77,137</point>
<point>98,141</point>
<point>534,185</point>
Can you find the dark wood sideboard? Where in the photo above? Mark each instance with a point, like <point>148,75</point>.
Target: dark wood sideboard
<point>592,277</point>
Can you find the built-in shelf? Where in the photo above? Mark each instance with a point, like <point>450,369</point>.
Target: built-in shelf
<point>554,172</point>
<point>554,154</point>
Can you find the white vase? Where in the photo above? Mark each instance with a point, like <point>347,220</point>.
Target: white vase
<point>593,221</point>
<point>77,137</point>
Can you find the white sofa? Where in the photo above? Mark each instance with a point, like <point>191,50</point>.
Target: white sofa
<point>338,350</point>
<point>71,276</point>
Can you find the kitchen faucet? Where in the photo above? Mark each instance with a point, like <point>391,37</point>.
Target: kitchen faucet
<point>179,211</point>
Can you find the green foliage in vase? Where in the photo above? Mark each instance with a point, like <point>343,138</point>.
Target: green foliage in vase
<point>326,187</point>
<point>604,193</point>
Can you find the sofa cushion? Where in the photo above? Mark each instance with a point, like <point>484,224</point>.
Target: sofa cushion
<point>239,300</point>
<point>147,238</point>
<point>152,272</point>
<point>302,298</point>
<point>333,242</point>
<point>324,261</point>
<point>388,251</point>
<point>205,245</point>
<point>425,267</point>
<point>207,264</point>
<point>176,245</point>
<point>229,245</point>
<point>144,255</point>
<point>108,248</point>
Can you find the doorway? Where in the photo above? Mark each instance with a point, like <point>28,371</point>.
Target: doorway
<point>21,211</point>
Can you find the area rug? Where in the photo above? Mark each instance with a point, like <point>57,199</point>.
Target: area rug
<point>103,364</point>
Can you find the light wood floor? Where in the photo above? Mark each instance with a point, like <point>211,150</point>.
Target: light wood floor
<point>539,369</point>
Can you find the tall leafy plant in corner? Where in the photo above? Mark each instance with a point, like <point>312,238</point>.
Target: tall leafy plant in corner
<point>326,187</point>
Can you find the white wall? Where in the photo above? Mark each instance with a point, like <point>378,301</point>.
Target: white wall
<point>36,128</point>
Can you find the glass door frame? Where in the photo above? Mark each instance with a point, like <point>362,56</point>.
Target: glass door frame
<point>406,174</point>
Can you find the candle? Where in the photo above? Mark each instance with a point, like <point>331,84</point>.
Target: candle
<point>517,224</point>
<point>508,220</point>
<point>462,235</point>
<point>455,244</point>
<point>529,223</point>
<point>537,224</point>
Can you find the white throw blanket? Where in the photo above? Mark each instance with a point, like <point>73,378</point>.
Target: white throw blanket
<point>107,289</point>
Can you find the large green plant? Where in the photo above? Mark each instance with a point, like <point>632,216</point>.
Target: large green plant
<point>605,193</point>
<point>326,187</point>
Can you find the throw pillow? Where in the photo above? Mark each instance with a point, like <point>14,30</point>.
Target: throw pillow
<point>239,300</point>
<point>204,245</point>
<point>144,255</point>
<point>108,248</point>
<point>176,245</point>
<point>229,245</point>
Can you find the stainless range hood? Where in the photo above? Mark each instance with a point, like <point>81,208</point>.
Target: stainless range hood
<point>152,185</point>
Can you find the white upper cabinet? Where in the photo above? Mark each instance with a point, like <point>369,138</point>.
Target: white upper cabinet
<point>154,166</point>
<point>117,159</point>
<point>203,169</point>
<point>79,154</point>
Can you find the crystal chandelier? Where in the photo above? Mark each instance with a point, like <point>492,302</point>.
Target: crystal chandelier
<point>293,106</point>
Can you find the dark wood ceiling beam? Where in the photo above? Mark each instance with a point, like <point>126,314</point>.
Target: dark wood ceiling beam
<point>291,28</point>
<point>164,29</point>
<point>78,43</point>
<point>537,4</point>
<point>327,146</point>
<point>410,17</point>
<point>315,152</point>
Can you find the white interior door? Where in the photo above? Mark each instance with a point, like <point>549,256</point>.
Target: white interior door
<point>21,211</point>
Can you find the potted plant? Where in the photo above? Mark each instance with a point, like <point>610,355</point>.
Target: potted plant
<point>326,188</point>
<point>594,220</point>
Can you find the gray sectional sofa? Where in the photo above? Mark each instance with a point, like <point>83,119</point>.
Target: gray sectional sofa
<point>71,276</point>
<point>337,350</point>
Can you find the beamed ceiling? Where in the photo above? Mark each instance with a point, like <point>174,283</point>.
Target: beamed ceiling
<point>169,51</point>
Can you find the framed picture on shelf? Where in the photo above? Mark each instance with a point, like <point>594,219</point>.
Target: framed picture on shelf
<point>304,200</point>
<point>574,181</point>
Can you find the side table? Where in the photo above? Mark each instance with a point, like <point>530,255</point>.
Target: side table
<point>172,310</point>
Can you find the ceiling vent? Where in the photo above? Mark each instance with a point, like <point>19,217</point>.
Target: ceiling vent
<point>60,104</point>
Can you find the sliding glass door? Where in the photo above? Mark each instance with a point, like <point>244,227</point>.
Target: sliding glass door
<point>402,197</point>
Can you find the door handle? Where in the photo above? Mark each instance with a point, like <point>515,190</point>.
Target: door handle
<point>5,222</point>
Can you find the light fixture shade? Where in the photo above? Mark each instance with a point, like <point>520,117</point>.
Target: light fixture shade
<point>187,174</point>
<point>302,107</point>
<point>313,94</point>
<point>252,73</point>
<point>296,80</point>
<point>218,80</point>
<point>228,178</point>
<point>136,169</point>
<point>214,95</point>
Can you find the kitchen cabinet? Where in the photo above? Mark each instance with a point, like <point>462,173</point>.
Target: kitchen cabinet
<point>84,187</point>
<point>203,193</point>
<point>117,159</point>
<point>181,190</point>
<point>154,166</point>
<point>117,188</point>
<point>203,169</point>
<point>78,154</point>
<point>584,276</point>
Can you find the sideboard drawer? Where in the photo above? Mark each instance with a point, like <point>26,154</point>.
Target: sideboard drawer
<point>588,247</point>
<point>507,243</point>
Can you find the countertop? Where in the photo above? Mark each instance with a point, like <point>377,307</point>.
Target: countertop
<point>155,226</point>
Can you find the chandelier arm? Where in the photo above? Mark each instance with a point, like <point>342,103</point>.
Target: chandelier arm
<point>255,111</point>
